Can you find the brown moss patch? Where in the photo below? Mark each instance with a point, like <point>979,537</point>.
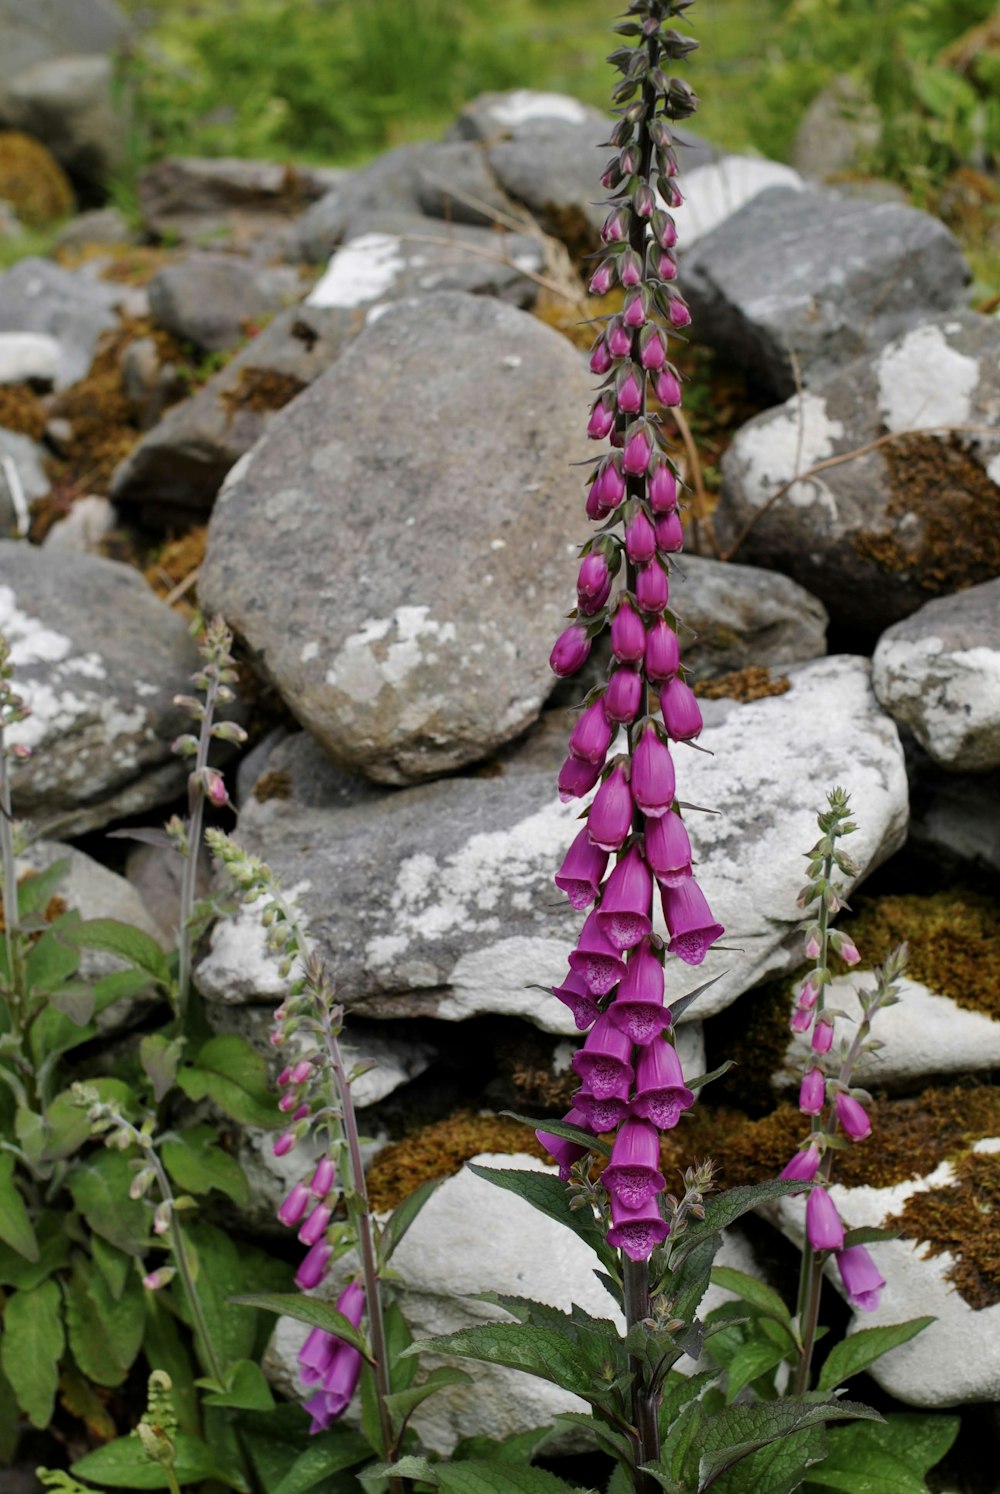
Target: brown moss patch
<point>261,389</point>
<point>128,264</point>
<point>173,563</point>
<point>274,785</point>
<point>953,938</point>
<point>22,411</point>
<point>956,540</point>
<point>439,1151</point>
<point>54,908</point>
<point>32,181</point>
<point>752,683</point>
<point>962,1220</point>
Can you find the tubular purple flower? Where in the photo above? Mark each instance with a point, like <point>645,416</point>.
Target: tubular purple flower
<point>596,959</point>
<point>812,944</point>
<point>637,1231</point>
<point>610,817</point>
<point>638,1005</point>
<point>660,1092</point>
<point>316,1355</point>
<point>823,1223</point>
<point>294,1206</point>
<point>848,950</point>
<point>666,267</point>
<point>652,589</point>
<point>629,269</point>
<point>663,655</point>
<point>603,278</point>
<point>809,995</point>
<point>593,579</point>
<point>619,339</point>
<point>634,315</point>
<point>606,1114</point>
<point>604,1063</point>
<point>668,849</point>
<point>323,1178</point>
<point>662,490</point>
<point>283,1144</point>
<point>679,313</point>
<point>602,418</point>
<point>652,350</point>
<point>315,1226</point>
<point>640,538</point>
<point>564,1152</point>
<point>570,651</point>
<point>681,711</point>
<point>803,1166</point>
<point>612,482</point>
<point>812,1092</point>
<point>301,1071</point>
<point>577,778</point>
<point>633,1175</point>
<point>626,902</point>
<point>629,394</point>
<point>667,388</point>
<point>664,229</point>
<point>637,450</point>
<point>582,871</point>
<point>628,634</point>
<point>591,736</point>
<point>643,200</point>
<point>853,1116</point>
<point>314,1267</point>
<point>616,225</point>
<point>669,534</point>
<point>822,1038</point>
<point>689,920</point>
<point>862,1280</point>
<point>600,357</point>
<point>653,781</point>
<point>575,993</point>
<point>624,695</point>
<point>801,1019</point>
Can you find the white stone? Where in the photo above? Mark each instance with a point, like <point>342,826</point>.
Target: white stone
<point>923,381</point>
<point>363,270</point>
<point>713,193</point>
<point>239,967</point>
<point>29,357</point>
<point>83,528</point>
<point>795,439</point>
<point>524,105</point>
<point>950,698</point>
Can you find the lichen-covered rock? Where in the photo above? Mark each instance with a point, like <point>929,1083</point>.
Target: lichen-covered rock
<point>69,103</point>
<point>818,278</point>
<point>744,615</point>
<point>37,295</point>
<point>938,673</point>
<point>99,659</point>
<point>428,547</point>
<point>212,300</point>
<point>878,534</point>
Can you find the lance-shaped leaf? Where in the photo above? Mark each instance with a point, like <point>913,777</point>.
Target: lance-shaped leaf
<point>403,1402</point>
<point>31,1347</point>
<point>583,1365</point>
<point>230,1073</point>
<point>860,1349</point>
<point>891,1458</point>
<point>130,944</point>
<point>680,1006</point>
<point>737,1431</point>
<point>16,1229</point>
<point>104,1334</point>
<point>778,1468</point>
<point>560,1128</point>
<point>725,1208</point>
<point>754,1291</point>
<point>308,1310</point>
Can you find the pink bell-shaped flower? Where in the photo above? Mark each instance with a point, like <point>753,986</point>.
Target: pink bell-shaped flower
<point>604,1063</point>
<point>582,871</point>
<point>633,1175</point>
<point>606,1114</point>
<point>668,849</point>
<point>640,539</point>
<point>812,1092</point>
<point>570,651</point>
<point>628,634</point>
<point>619,338</point>
<point>591,736</point>
<point>637,1231</point>
<point>593,580</point>
<point>862,1280</point>
<point>667,387</point>
<point>610,817</point>
<point>823,1224</point>
<point>637,450</point>
<point>653,781</point>
<point>638,1005</point>
<point>803,1166</point>
<point>575,993</point>
<point>681,711</point>
<point>652,348</point>
<point>660,1092</point>
<point>600,357</point>
<point>577,778</point>
<point>628,395</point>
<point>669,534</point>
<point>602,418</point>
<point>596,959</point>
<point>853,1116</point>
<point>603,278</point>
<point>626,902</point>
<point>688,917</point>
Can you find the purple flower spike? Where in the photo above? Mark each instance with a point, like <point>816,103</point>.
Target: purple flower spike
<point>313,1267</point>
<point>652,589</point>
<point>564,1152</point>
<point>669,534</point>
<point>663,655</point>
<point>637,451</point>
<point>606,1114</point>
<point>582,871</point>
<point>575,994</point>
<point>596,959</point>
<point>668,849</point>
<point>633,1175</point>
<point>653,781</point>
<point>681,711</point>
<point>624,695</point>
<point>591,736</point>
<point>610,817</point>
<point>860,1275</point>
<point>626,903</point>
<point>316,1225</point>
<point>662,491</point>
<point>660,1092</point>
<point>602,418</point>
<point>577,778</point>
<point>853,1117</point>
<point>692,928</point>
<point>294,1206</point>
<point>823,1223</point>
<point>628,634</point>
<point>803,1166</point>
<point>812,1092</point>
<point>637,1231</point>
<point>638,1005</point>
<point>569,652</point>
<point>323,1178</point>
<point>604,1063</point>
<point>640,539</point>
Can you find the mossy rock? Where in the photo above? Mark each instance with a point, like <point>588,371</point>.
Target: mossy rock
<point>32,181</point>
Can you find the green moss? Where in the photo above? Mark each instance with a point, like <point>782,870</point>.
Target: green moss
<point>962,1221</point>
<point>32,181</point>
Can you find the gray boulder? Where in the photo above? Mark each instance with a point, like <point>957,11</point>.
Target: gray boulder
<point>938,673</point>
<point>27,457</point>
<point>36,30</point>
<point>818,278</point>
<point>839,131</point>
<point>67,103</point>
<point>212,299</point>
<point>37,295</point>
<point>98,659</point>
<point>879,534</point>
<point>742,615</point>
<point>251,204</point>
<point>96,226</point>
<point>426,548</point>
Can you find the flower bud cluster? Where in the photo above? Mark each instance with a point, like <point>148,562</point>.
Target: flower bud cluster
<point>631,1077</point>
<point>214,680</point>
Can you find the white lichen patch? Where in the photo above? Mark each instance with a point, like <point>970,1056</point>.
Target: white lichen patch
<point>239,968</point>
<point>30,641</point>
<point>924,381</point>
<point>713,193</point>
<point>791,441</point>
<point>309,652</point>
<point>524,105</point>
<point>364,269</point>
<point>950,698</point>
<point>371,659</point>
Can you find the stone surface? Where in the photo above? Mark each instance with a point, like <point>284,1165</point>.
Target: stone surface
<point>34,30</point>
<point>473,1237</point>
<point>397,676</point>
<point>39,296</point>
<point>455,182</point>
<point>391,183</point>
<point>246,203</point>
<point>877,535</point>
<point>155,873</point>
<point>938,673</point>
<point>27,457</point>
<point>716,189</point>
<point>957,816</point>
<point>839,131</point>
<point>764,286</point>
<point>67,102</point>
<point>957,1358</point>
<point>96,226</point>
<point>444,904</point>
<point>211,300</point>
<point>98,658</point>
<point>28,358</point>
<point>89,520</point>
<point>743,615</point>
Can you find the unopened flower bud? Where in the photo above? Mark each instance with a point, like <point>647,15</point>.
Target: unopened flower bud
<point>640,538</point>
<point>662,490</point>
<point>619,339</point>
<point>635,312</point>
<point>602,418</point>
<point>159,1278</point>
<point>229,731</point>
<point>600,357</point>
<point>667,388</point>
<point>602,279</point>
<point>570,651</point>
<point>630,269</point>
<point>629,392</point>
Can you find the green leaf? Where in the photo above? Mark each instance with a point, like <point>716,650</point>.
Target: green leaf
<point>105,1335</point>
<point>66,1122</point>
<point>409,1467</point>
<point>749,1363</point>
<point>10,1431</point>
<point>123,1464</point>
<point>700,1080</point>
<point>118,986</point>
<point>245,1388</point>
<point>402,1402</point>
<point>325,1456</point>
<point>778,1468</point>
<point>53,1243</point>
<point>49,963</point>
<point>197,1165</point>
<point>130,944</point>
<point>35,891</point>
<point>497,1478</point>
<point>99,1188</point>
<point>680,1006</point>
<point>615,1444</point>
<point>725,1208</point>
<point>887,1459</point>
<point>540,1351</point>
<point>233,1075</point>
<point>754,1291</point>
<point>737,1431</point>
<point>308,1310</point>
<point>520,1447</point>
<point>404,1214</point>
<point>860,1349</point>
<point>114,1265</point>
<point>560,1128</point>
<point>32,1344</point>
<point>868,1235</point>
<point>679,1449</point>
<point>76,1002</point>
<point>16,1229</point>
<point>549,1196</point>
<point>159,1057</point>
<point>217,1268</point>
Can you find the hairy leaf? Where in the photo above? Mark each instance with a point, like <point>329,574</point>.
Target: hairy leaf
<point>105,1335</point>
<point>197,1165</point>
<point>860,1349</point>
<point>53,1245</point>
<point>778,1468</point>
<point>231,1074</point>
<point>245,1388</point>
<point>887,1459</point>
<point>32,1343</point>
<point>751,1289</point>
<point>130,944</point>
<point>323,1459</point>
<point>100,1191</point>
<point>217,1269</point>
<point>540,1351</point>
<point>568,1133</point>
<point>307,1310</point>
<point>749,1362</point>
<point>16,1228</point>
<point>123,1464</point>
<point>497,1478</point>
<point>738,1431</point>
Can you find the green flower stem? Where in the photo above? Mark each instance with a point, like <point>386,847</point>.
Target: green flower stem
<point>189,877</point>
<point>11,931</point>
<point>646,1437</point>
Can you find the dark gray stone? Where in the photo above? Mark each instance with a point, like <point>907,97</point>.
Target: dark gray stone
<point>938,673</point>
<point>37,295</point>
<point>99,659</point>
<point>876,536</point>
<point>390,184</point>
<point>242,202</point>
<point>211,299</point>
<point>742,615</point>
<point>97,226</point>
<point>67,102</point>
<point>455,182</point>
<point>35,30</point>
<point>429,550</point>
<point>818,277</point>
